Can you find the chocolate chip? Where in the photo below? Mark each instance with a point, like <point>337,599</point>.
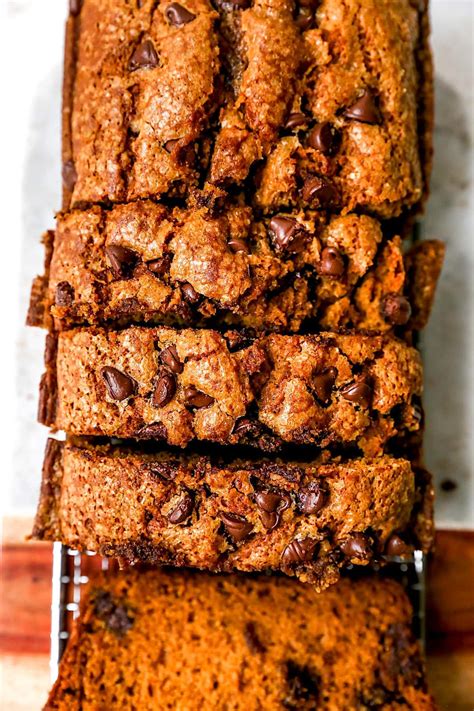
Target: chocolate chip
<point>323,383</point>
<point>119,385</point>
<point>331,263</point>
<point>75,7</point>
<point>271,507</point>
<point>64,294</point>
<point>165,390</point>
<point>163,470</point>
<point>238,245</point>
<point>359,393</point>
<point>177,15</point>
<point>122,260</point>
<point>364,109</point>
<point>299,551</point>
<point>169,357</point>
<point>396,309</point>
<point>190,293</point>
<point>288,234</point>
<point>236,526</point>
<point>160,266</point>
<point>312,498</point>
<point>396,546</point>
<point>154,430</point>
<point>244,426</point>
<point>448,485</point>
<point>241,4</point>
<point>195,398</point>
<point>324,138</point>
<point>115,616</point>
<point>296,119</point>
<point>320,192</point>
<point>252,639</point>
<point>357,546</point>
<point>305,18</point>
<point>69,175</point>
<point>143,57</point>
<point>183,510</point>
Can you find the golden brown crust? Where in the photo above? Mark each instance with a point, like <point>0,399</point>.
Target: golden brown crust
<point>165,508</point>
<point>423,264</point>
<point>120,112</point>
<point>324,390</point>
<point>240,642</point>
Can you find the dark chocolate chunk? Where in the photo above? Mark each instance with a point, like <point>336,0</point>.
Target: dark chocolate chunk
<point>312,498</point>
<point>154,430</point>
<point>165,389</point>
<point>69,175</point>
<point>364,109</point>
<point>64,294</point>
<point>190,293</point>
<point>75,7</point>
<point>323,383</point>
<point>169,357</point>
<point>115,616</point>
<point>177,15</point>
<point>119,385</point>
<point>299,551</point>
<point>296,119</point>
<point>163,470</point>
<point>288,234</point>
<point>271,507</point>
<point>359,546</point>
<point>143,57</point>
<point>122,260</point>
<point>238,245</point>
<point>320,192</point>
<point>396,309</point>
<point>332,263</point>
<point>324,138</point>
<point>252,639</point>
<point>160,266</point>
<point>183,510</point>
<point>359,393</point>
<point>396,546</point>
<point>236,526</point>
<point>195,398</point>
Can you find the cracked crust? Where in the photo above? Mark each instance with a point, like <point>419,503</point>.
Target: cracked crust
<point>120,502</point>
<point>240,642</point>
<point>346,390</point>
<point>222,89</point>
<point>259,286</point>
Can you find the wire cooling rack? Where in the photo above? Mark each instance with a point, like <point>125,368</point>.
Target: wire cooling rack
<point>71,571</point>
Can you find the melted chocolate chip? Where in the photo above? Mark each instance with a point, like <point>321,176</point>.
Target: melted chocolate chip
<point>143,57</point>
<point>119,385</point>
<point>312,498</point>
<point>324,138</point>
<point>183,510</point>
<point>288,234</point>
<point>396,546</point>
<point>154,430</point>
<point>364,109</point>
<point>323,384</point>
<point>75,7</point>
<point>165,390</point>
<point>64,295</point>
<point>359,393</point>
<point>271,507</point>
<point>195,398</point>
<point>358,546</point>
<point>299,551</point>
<point>169,357</point>
<point>115,616</point>
<point>238,245</point>
<point>296,119</point>
<point>236,526</point>
<point>331,263</point>
<point>320,192</point>
<point>396,309</point>
<point>122,260</point>
<point>190,293</point>
<point>163,470</point>
<point>177,15</point>
<point>160,266</point>
<point>69,175</point>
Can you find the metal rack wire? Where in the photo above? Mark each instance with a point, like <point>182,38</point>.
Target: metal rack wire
<point>71,571</point>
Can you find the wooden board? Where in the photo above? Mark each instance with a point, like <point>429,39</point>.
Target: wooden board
<point>25,595</point>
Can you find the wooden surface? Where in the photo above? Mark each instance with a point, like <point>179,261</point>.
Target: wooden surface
<point>25,597</point>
